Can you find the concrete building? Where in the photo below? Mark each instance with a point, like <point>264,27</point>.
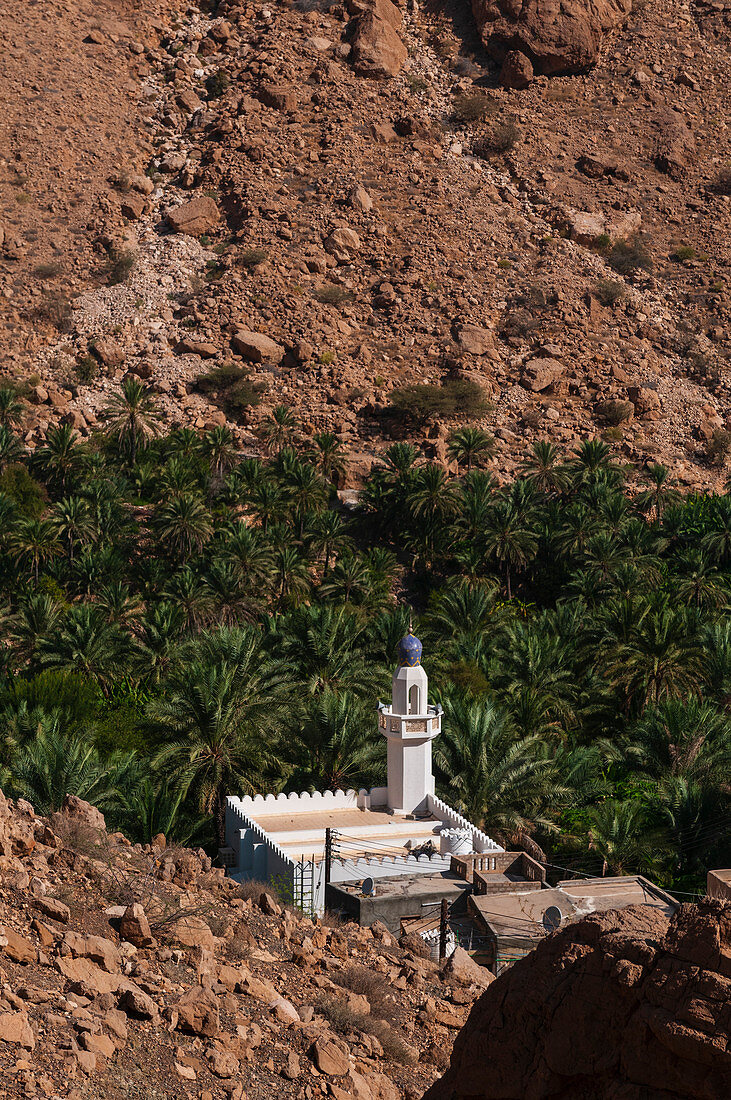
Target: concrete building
<point>512,922</point>
<point>718,885</point>
<point>397,832</point>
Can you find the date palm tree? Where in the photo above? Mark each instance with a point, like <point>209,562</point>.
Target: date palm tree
<point>11,409</point>
<point>10,448</point>
<point>328,535</point>
<point>290,576</point>
<point>509,539</point>
<point>59,460</point>
<point>189,594</point>
<point>331,745</point>
<point>219,447</point>
<point>183,525</point>
<point>216,718</point>
<point>73,523</point>
<point>544,468</point>
<point>618,834</point>
<point>661,493</point>
<point>160,631</point>
<point>470,447</point>
<point>34,542</point>
<point>278,430</point>
<point>328,456</point>
<point>132,416</point>
<point>83,641</point>
<point>502,783</point>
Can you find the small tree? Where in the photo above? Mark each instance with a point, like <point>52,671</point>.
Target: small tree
<point>132,415</point>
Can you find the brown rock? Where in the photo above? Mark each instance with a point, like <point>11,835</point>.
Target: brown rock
<point>558,36</point>
<point>135,927</point>
<point>331,1056</point>
<point>133,206</point>
<point>342,240</point>
<point>54,909</point>
<point>279,96</point>
<point>198,1012</point>
<point>188,346</point>
<point>475,340</point>
<point>16,947</point>
<point>135,1002</point>
<point>15,1029</point>
<point>223,1063</point>
<point>377,49</point>
<point>78,810</point>
<point>516,71</point>
<point>83,973</point>
<point>256,347</point>
<point>108,352</point>
<point>97,948</point>
<point>463,970</point>
<point>539,374</point>
<point>195,217</point>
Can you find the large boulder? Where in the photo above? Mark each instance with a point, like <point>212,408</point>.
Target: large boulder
<point>377,49</point>
<point>557,36</point>
<point>621,1004</point>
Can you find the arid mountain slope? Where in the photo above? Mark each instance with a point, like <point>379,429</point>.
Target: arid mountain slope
<point>381,232</point>
<point>131,972</point>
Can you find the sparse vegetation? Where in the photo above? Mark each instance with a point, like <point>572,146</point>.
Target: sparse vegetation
<point>120,264</point>
<point>217,83</point>
<point>333,295</point>
<point>609,291</point>
<point>251,258</point>
<point>86,368</point>
<point>498,139</point>
<point>629,257</point>
<point>50,270</point>
<point>684,252</point>
<point>719,447</point>
<point>470,107</point>
<point>615,411</point>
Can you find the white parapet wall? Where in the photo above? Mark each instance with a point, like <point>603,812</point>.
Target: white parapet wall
<point>481,842</point>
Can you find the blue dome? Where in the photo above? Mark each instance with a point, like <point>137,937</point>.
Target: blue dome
<point>409,651</point>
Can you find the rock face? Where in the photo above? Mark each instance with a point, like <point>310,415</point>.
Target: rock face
<point>621,1004</point>
<point>557,36</point>
<point>196,217</point>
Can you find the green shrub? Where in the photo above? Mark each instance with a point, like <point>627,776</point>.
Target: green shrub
<point>120,263</point>
<point>455,397</point>
<point>217,83</point>
<point>86,368</point>
<point>718,447</point>
<point>609,291</point>
<point>230,387</point>
<point>627,257</point>
<point>250,258</point>
<point>27,494</point>
<point>334,295</point>
<point>48,271</point>
<point>683,253</point>
<point>498,140</point>
<point>471,107</point>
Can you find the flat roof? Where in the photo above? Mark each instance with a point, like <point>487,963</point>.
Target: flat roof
<point>341,819</point>
<point>439,884</point>
<point>595,895</point>
<point>520,913</point>
<point>724,876</point>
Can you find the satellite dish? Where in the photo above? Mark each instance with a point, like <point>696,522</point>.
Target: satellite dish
<point>552,918</point>
<point>367,886</point>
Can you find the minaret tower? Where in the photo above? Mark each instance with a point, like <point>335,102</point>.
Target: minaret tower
<point>410,725</point>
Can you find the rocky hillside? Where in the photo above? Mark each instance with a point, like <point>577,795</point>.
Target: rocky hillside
<point>621,1004</point>
<point>335,200</point>
<point>143,972</point>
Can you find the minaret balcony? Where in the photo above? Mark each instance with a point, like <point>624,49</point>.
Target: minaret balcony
<point>410,726</point>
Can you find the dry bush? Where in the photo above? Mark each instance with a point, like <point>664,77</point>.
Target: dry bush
<point>627,257</point>
<point>609,291</point>
<point>55,309</point>
<point>718,447</point>
<point>614,411</point>
<point>722,182</point>
<point>498,140</point>
<point>253,889</point>
<point>369,984</point>
<point>473,107</point>
<point>345,1020</point>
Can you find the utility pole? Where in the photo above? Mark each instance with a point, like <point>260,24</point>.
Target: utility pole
<point>328,859</point>
<point>443,925</point>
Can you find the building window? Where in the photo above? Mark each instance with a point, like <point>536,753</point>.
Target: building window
<point>414,700</point>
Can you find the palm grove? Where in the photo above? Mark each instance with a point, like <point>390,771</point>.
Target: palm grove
<point>179,623</point>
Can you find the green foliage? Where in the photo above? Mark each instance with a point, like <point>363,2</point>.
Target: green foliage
<point>189,622</point>
<point>609,291</point>
<point>471,107</point>
<point>498,139</point>
<point>453,398</point>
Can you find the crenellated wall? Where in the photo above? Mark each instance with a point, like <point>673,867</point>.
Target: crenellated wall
<point>450,817</point>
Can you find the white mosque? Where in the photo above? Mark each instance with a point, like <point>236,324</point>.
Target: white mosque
<point>399,830</point>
